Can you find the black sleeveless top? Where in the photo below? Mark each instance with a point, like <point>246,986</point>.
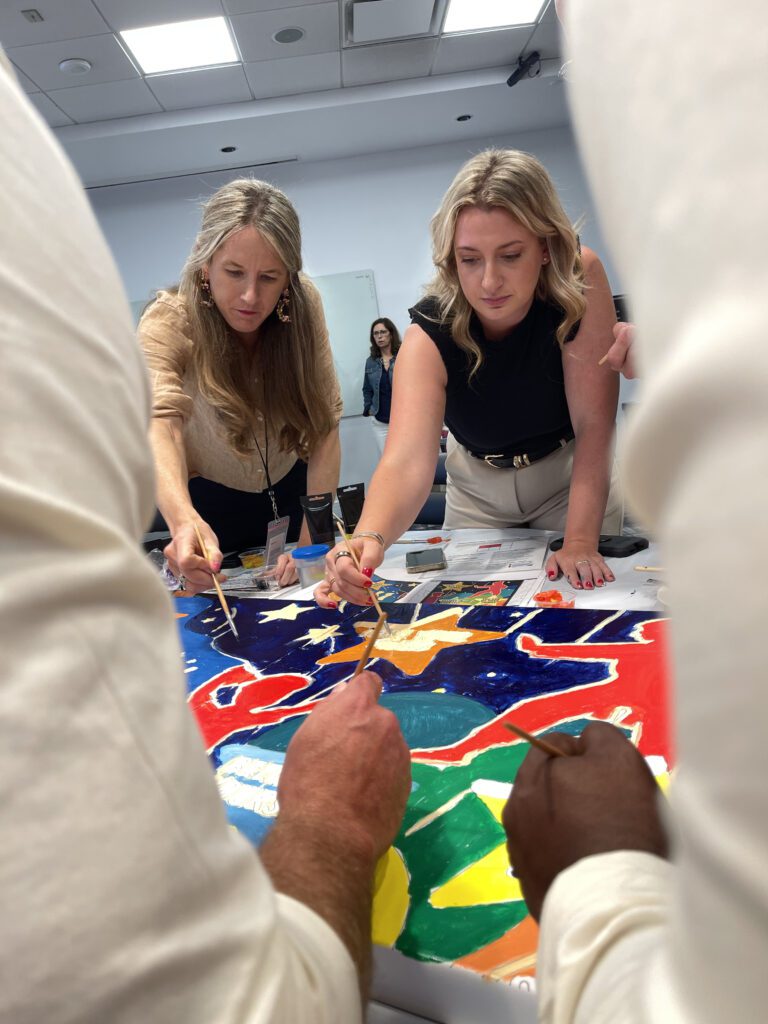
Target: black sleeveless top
<point>516,400</point>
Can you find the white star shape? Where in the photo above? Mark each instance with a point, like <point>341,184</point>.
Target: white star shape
<point>289,613</point>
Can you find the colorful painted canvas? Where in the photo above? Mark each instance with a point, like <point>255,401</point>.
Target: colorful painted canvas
<point>473,593</point>
<point>452,676</point>
<point>389,591</point>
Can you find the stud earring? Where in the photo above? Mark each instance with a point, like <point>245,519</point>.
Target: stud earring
<point>206,298</point>
<point>281,309</point>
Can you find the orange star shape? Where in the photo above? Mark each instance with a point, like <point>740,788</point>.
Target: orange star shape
<point>413,646</point>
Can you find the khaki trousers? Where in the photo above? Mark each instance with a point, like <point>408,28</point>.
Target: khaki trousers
<point>537,496</point>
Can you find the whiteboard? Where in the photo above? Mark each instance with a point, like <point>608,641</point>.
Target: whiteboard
<point>351,306</point>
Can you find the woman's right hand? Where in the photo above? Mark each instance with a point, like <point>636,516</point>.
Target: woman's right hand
<point>186,559</point>
<point>342,576</point>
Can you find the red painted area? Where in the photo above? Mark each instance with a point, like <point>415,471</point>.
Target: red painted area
<point>629,674</point>
<point>249,708</point>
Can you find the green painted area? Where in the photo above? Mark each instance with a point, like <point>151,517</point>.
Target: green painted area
<point>451,842</point>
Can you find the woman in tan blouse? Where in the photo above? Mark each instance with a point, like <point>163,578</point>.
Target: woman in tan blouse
<point>246,404</point>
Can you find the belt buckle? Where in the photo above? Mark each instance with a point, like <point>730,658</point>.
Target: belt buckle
<point>521,461</point>
<point>488,460</point>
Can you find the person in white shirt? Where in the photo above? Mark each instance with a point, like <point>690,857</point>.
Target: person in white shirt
<point>126,897</point>
<point>668,101</point>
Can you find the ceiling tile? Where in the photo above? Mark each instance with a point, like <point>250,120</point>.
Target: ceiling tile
<point>106,101</point>
<point>480,50</point>
<point>388,62</point>
<point>41,63</point>
<point>250,6</point>
<point>26,83</point>
<point>140,13</point>
<point>204,88</point>
<point>56,118</point>
<point>62,19</point>
<point>294,75</point>
<point>320,23</point>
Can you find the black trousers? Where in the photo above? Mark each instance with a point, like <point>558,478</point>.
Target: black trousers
<point>239,518</point>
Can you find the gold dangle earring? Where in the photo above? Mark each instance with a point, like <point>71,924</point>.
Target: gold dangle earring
<point>206,298</point>
<point>281,309</point>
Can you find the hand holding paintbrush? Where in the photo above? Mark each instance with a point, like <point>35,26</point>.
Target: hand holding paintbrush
<point>356,560</point>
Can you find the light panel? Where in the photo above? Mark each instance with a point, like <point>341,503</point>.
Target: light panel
<point>181,45</point>
<point>469,15</point>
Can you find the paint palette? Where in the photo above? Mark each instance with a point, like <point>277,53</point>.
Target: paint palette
<point>452,675</point>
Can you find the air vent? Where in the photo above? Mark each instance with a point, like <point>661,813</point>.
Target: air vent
<point>373,21</point>
<point>32,15</point>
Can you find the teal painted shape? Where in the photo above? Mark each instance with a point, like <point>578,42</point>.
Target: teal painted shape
<point>435,719</point>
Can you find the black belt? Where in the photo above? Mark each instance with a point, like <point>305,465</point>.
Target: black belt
<point>503,460</point>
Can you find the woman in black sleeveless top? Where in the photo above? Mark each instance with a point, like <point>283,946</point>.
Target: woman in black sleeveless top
<point>505,348</point>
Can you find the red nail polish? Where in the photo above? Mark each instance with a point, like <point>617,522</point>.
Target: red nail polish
<point>588,585</point>
<point>599,583</point>
<point>551,575</point>
<point>367,571</point>
<point>333,605</point>
<point>368,583</point>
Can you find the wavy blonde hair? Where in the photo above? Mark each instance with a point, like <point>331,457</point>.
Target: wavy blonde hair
<point>293,399</point>
<point>518,183</point>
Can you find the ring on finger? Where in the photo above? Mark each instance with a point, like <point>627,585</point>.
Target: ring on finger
<point>331,581</point>
<point>341,554</point>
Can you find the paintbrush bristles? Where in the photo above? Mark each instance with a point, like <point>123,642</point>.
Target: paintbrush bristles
<point>219,591</point>
<point>369,644</point>
<point>542,745</point>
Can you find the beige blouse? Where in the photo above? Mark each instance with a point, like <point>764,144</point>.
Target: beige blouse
<point>165,336</point>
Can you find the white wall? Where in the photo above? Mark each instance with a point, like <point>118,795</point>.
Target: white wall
<point>368,212</point>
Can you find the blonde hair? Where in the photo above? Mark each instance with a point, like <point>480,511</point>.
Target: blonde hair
<point>518,183</point>
<point>293,399</point>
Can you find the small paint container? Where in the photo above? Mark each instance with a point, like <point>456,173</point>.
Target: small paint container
<point>252,559</point>
<point>310,563</point>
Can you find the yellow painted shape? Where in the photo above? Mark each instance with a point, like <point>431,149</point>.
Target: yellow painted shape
<point>390,898</point>
<point>485,881</point>
<point>494,804</point>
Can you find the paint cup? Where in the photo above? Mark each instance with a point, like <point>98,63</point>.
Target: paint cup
<point>253,558</point>
<point>310,563</point>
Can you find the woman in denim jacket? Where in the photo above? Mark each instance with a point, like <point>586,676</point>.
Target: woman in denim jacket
<point>377,382</point>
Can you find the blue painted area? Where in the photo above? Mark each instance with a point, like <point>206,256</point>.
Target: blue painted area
<point>253,825</point>
<point>480,680</point>
<point>197,638</point>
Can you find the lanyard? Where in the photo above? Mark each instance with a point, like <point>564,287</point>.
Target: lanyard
<point>264,456</point>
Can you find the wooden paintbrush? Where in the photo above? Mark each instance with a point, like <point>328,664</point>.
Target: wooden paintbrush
<point>381,621</point>
<point>649,568</point>
<point>542,745</point>
<point>219,591</point>
<point>356,560</point>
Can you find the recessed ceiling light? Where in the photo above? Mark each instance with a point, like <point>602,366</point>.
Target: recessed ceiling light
<point>75,66</point>
<point>464,117</point>
<point>181,45</point>
<point>466,15</point>
<point>288,35</point>
<point>228,149</point>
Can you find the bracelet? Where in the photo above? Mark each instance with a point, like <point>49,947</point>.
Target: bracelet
<point>370,533</point>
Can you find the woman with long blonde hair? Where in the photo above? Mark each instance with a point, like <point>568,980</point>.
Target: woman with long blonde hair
<point>246,401</point>
<point>504,348</point>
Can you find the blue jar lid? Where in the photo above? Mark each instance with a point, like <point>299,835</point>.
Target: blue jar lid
<point>311,551</point>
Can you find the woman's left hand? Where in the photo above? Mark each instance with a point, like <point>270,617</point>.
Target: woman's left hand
<point>285,571</point>
<point>581,564</point>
